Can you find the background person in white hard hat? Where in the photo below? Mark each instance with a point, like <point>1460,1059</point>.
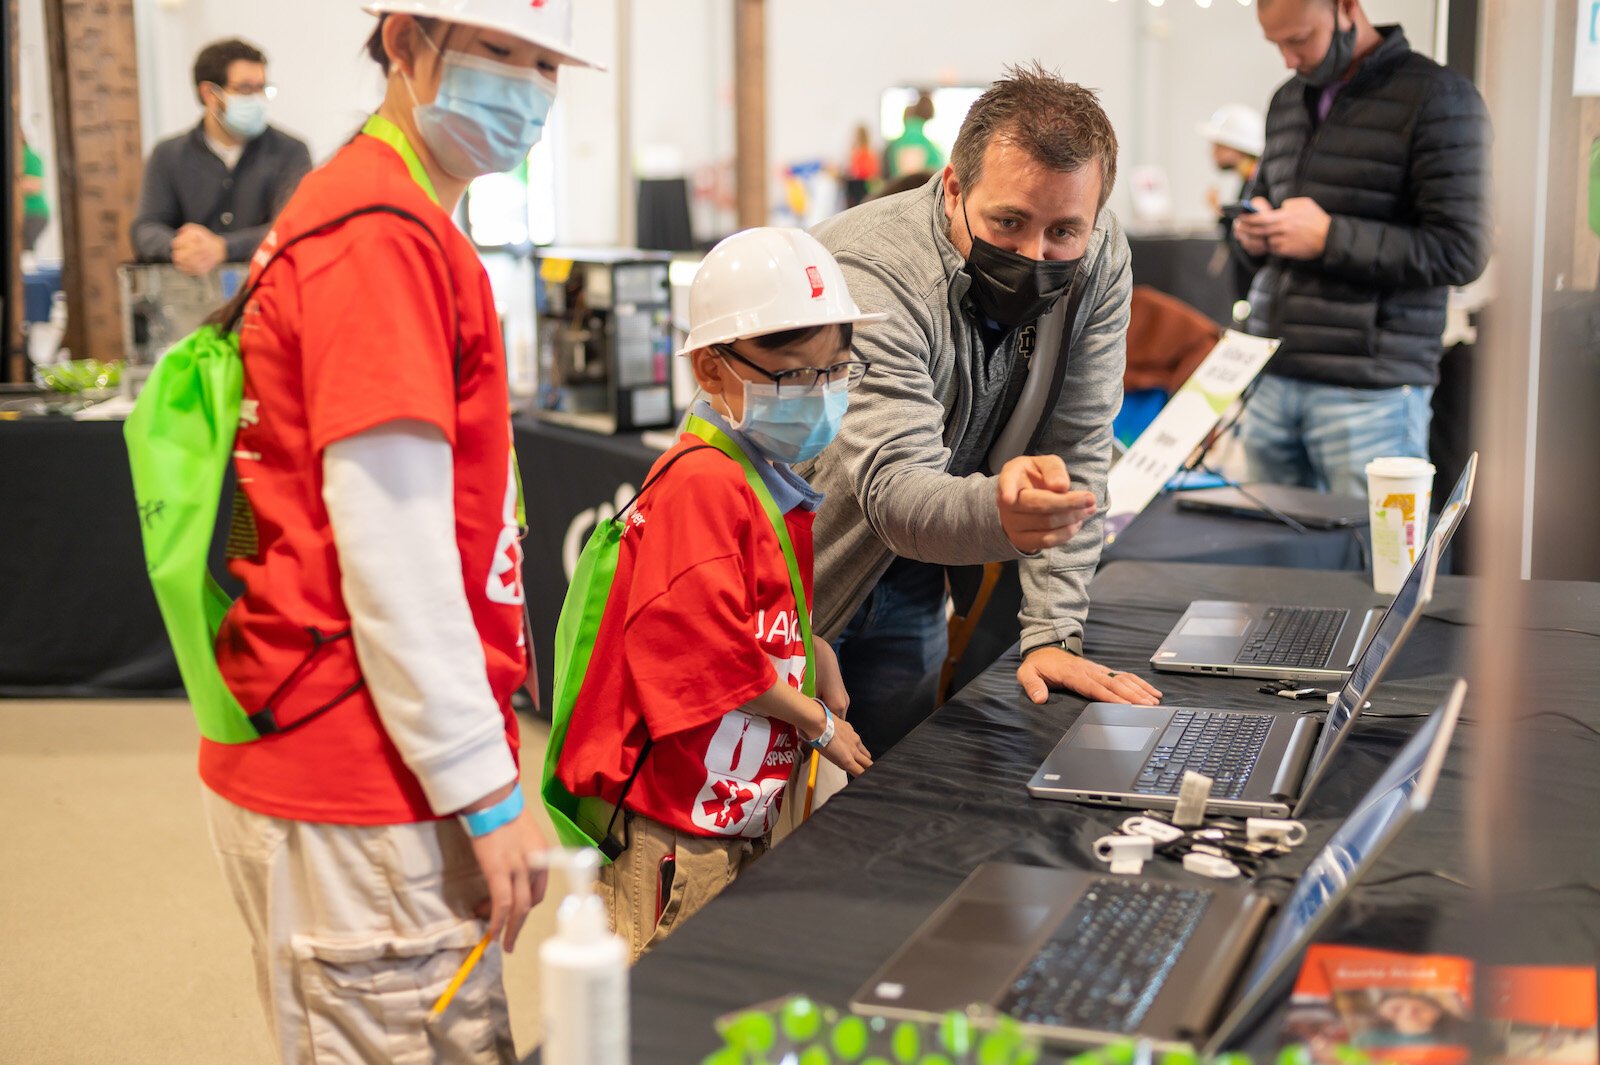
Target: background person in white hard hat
<point>1237,135</point>
<point>694,719</point>
<point>368,835</point>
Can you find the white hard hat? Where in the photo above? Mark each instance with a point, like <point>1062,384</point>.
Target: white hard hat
<point>767,280</point>
<point>546,23</point>
<point>1238,127</point>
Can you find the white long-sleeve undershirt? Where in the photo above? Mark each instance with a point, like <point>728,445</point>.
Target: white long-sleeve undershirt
<point>390,495</point>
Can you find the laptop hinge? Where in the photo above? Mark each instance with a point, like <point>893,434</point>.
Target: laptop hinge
<point>1296,758</point>
<point>1367,625</point>
<point>1227,965</point>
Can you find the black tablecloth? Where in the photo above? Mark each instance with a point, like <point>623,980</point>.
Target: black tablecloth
<point>1166,532</point>
<point>77,617</point>
<point>829,905</point>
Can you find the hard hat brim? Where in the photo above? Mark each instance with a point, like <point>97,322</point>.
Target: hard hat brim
<point>424,9</point>
<point>694,343</point>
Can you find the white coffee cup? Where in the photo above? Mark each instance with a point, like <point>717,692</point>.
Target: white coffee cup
<point>1399,492</point>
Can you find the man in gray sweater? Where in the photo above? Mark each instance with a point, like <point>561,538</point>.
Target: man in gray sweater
<point>971,440</point>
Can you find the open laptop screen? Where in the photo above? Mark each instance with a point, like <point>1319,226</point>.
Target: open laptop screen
<point>1391,631</point>
<point>1402,792</point>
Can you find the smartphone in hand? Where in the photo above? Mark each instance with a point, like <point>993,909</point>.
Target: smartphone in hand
<point>1234,210</point>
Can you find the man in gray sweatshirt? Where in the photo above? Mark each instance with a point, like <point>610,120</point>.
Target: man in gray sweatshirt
<point>970,440</point>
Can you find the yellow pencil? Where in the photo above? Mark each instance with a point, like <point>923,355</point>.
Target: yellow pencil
<point>459,979</point>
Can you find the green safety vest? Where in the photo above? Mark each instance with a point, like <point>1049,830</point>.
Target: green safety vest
<point>585,605</point>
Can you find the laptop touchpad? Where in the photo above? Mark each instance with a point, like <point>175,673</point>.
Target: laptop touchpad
<point>990,922</point>
<point>1112,737</point>
<point>1214,626</point>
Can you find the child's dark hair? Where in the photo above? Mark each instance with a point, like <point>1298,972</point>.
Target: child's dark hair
<point>380,55</point>
<point>774,341</point>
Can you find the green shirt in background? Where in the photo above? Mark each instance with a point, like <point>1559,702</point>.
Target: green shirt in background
<point>34,204</point>
<point>912,151</point>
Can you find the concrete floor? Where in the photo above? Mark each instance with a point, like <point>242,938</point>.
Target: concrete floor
<point>121,940</point>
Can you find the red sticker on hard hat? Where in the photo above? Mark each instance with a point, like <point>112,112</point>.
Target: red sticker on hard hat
<point>815,277</point>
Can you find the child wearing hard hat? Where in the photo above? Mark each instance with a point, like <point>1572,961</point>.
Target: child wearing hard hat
<point>691,716</point>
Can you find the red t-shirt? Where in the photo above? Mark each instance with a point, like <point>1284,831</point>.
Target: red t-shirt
<point>350,329</point>
<point>701,619</point>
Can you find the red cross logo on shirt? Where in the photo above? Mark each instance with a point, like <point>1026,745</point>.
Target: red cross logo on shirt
<point>728,806</point>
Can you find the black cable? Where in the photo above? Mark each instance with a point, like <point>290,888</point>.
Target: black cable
<point>1449,878</point>
<point>1541,713</point>
<point>1520,628</point>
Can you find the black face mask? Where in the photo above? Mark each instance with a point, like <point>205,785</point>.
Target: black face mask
<point>1341,53</point>
<point>1013,289</point>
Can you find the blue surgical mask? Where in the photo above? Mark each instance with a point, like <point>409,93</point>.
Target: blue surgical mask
<point>244,116</point>
<point>792,427</point>
<point>486,117</point>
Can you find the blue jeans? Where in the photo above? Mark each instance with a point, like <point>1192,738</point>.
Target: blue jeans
<point>891,651</point>
<point>1323,436</point>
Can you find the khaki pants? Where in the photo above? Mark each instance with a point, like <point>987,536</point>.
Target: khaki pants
<point>641,912</point>
<point>356,931</point>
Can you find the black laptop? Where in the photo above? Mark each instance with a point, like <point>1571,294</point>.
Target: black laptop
<point>1084,958</point>
<point>1313,509</point>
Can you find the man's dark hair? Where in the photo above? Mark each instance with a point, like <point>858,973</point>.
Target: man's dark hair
<point>211,65</point>
<point>1058,123</point>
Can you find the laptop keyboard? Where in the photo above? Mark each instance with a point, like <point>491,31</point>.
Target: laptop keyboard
<point>1295,636</point>
<point>1224,747</point>
<point>1105,964</point>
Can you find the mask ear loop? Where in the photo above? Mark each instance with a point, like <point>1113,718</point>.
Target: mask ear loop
<point>407,78</point>
<point>728,413</point>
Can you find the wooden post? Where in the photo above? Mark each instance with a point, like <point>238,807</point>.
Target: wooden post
<point>750,111</point>
<point>94,82</point>
<point>13,360</point>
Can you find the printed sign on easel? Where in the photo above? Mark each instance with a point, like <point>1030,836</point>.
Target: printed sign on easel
<point>1586,60</point>
<point>1182,424</point>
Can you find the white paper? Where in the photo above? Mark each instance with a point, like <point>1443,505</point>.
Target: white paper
<point>1586,63</point>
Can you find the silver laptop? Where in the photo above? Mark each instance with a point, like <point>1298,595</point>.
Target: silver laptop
<point>1260,761</point>
<point>1083,958</point>
<point>1284,642</point>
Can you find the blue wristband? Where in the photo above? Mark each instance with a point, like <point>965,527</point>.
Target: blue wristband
<point>827,732</point>
<point>499,815</point>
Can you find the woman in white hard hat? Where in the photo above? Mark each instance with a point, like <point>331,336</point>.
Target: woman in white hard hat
<point>378,821</point>
<point>692,716</point>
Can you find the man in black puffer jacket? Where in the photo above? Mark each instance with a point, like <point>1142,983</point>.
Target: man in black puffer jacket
<point>1372,197</point>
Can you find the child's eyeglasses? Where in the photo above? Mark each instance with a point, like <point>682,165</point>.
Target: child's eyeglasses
<point>805,379</point>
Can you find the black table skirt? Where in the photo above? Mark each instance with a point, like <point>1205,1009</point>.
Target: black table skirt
<point>829,905</point>
<point>77,617</point>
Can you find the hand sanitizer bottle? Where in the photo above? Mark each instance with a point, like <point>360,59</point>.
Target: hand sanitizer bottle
<point>585,975</point>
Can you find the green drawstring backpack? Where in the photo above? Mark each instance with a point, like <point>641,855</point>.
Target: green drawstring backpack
<point>180,441</point>
<point>581,612</point>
